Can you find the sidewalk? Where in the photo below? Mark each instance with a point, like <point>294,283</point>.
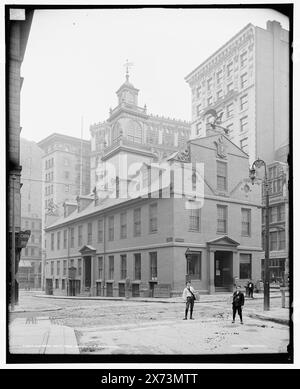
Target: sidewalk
<point>204,298</point>
<point>43,336</point>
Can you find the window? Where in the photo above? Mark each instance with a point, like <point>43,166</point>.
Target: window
<point>26,252</point>
<point>281,212</point>
<point>281,238</point>
<point>66,175</point>
<point>58,268</point>
<point>79,235</point>
<point>198,109</point>
<point>58,240</point>
<point>219,76</point>
<point>244,123</point>
<point>65,238</point>
<point>79,266</point>
<point>111,267</point>
<point>137,266</point>
<point>134,133</point>
<point>72,237</point>
<point>111,228</point>
<point>273,241</point>
<point>52,268</point>
<point>52,241</point>
<point>56,283</point>
<point>209,84</point>
<point>229,110</point>
<point>29,207</point>
<point>66,162</point>
<point>153,265</point>
<point>230,87</point>
<point>244,80</point>
<point>71,262</point>
<point>244,102</point>
<point>273,214</point>
<point>198,92</point>
<point>63,284</point>
<point>243,58</point>
<point>230,69</point>
<point>209,100</point>
<point>123,225</point>
<point>153,218</point>
<point>32,238</point>
<point>221,176</point>
<point>137,222</point>
<point>123,274</point>
<point>194,219</point>
<point>90,233</point>
<point>100,267</point>
<point>246,222</point>
<point>219,94</point>
<point>245,266</point>
<point>67,188</point>
<point>222,218</point>
<point>244,145</point>
<point>65,267</point>
<point>100,230</point>
<point>193,266</point>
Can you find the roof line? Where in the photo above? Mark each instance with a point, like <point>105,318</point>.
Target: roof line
<point>61,135</point>
<point>218,50</point>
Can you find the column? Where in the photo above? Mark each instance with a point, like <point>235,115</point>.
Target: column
<point>235,265</point>
<point>211,270</point>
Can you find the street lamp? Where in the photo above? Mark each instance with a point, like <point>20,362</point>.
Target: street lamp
<point>252,174</point>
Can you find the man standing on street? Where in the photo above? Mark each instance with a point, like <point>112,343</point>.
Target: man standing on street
<point>189,297</point>
<point>250,288</point>
<point>237,303</point>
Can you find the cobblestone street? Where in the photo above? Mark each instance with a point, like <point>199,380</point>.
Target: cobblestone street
<point>132,327</point>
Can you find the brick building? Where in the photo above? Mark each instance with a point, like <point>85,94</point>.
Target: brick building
<point>102,244</point>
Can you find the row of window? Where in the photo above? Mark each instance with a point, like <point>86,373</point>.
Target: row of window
<point>194,224</point>
<point>276,214</point>
<point>220,93</point>
<point>220,74</point>
<point>35,225</point>
<point>49,177</point>
<point>49,163</point>
<point>276,242</point>
<point>62,267</point>
<point>32,252</point>
<point>153,227</point>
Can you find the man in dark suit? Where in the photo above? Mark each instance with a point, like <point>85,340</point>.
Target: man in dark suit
<point>237,303</point>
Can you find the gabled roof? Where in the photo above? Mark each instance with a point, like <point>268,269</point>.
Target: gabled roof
<point>87,248</point>
<point>224,241</point>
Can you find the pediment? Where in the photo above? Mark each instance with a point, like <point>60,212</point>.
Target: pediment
<point>223,241</point>
<point>87,249</point>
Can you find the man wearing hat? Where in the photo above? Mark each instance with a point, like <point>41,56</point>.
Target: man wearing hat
<point>237,303</point>
<point>189,297</point>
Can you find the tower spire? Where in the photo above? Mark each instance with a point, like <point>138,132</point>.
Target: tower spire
<point>128,65</point>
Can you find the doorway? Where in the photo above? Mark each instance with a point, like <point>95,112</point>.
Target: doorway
<point>87,271</point>
<point>223,269</point>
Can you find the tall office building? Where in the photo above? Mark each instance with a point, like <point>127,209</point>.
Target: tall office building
<point>31,214</point>
<point>247,80</point>
<point>65,172</point>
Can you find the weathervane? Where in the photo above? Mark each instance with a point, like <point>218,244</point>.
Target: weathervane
<point>128,66</point>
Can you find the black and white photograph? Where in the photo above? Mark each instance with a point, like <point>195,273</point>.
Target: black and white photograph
<point>149,210</point>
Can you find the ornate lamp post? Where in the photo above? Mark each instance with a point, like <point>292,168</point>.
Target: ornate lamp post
<point>252,174</point>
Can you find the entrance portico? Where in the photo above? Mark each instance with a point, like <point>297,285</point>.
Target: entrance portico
<point>222,256</point>
<point>87,252</point>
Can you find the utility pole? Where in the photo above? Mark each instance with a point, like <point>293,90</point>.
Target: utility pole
<point>13,248</point>
<point>257,164</point>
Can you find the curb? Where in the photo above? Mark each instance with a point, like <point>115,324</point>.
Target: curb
<point>273,319</point>
<point>36,310</point>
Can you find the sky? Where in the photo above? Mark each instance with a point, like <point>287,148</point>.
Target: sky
<point>74,61</point>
